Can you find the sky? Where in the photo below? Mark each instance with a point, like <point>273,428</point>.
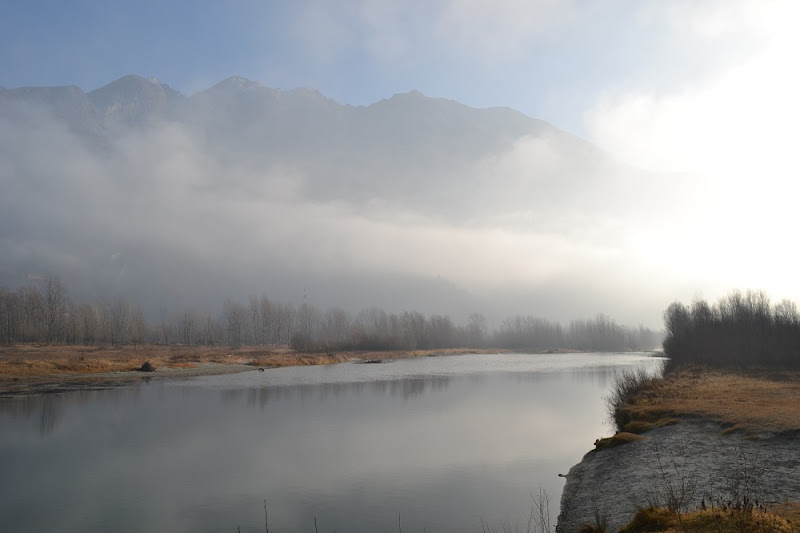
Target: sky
<point>705,90</point>
<point>555,60</point>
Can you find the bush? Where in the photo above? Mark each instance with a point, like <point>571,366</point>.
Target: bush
<point>742,329</point>
<point>627,385</point>
<point>651,519</point>
<point>622,437</point>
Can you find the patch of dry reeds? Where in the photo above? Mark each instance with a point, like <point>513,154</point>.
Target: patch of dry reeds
<point>753,402</point>
<point>33,361</point>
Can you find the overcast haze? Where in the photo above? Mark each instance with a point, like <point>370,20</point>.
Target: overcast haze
<point>560,158</point>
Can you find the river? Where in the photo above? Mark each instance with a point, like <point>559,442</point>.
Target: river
<point>437,444</point>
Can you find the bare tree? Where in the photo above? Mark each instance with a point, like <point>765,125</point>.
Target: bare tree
<point>71,324</point>
<point>32,308</point>
<point>476,330</point>
<point>265,313</point>
<point>164,325</point>
<point>138,327</point>
<point>336,326</point>
<point>9,316</point>
<point>87,320</point>
<point>119,314</point>
<point>209,333</point>
<point>233,316</point>
<point>54,299</point>
<point>440,332</point>
<point>413,328</point>
<point>255,319</point>
<point>303,337</point>
<point>188,323</point>
<point>283,323</point>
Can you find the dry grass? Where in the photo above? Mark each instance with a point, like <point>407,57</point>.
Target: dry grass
<point>728,520</point>
<point>182,364</point>
<point>755,402</point>
<point>789,511</point>
<point>622,437</point>
<point>31,362</point>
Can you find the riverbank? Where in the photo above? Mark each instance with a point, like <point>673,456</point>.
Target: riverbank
<point>712,439</point>
<point>36,369</point>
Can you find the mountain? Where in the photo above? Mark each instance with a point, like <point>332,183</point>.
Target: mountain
<point>240,188</point>
<point>248,114</point>
<point>133,100</point>
<point>68,104</point>
<point>389,150</point>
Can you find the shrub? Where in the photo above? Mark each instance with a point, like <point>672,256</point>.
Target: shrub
<point>742,329</point>
<point>626,386</point>
<point>650,519</point>
<point>616,440</point>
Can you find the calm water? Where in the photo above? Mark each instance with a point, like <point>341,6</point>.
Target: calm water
<point>442,442</point>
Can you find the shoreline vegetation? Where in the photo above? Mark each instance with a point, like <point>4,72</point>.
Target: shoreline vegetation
<point>32,369</point>
<point>754,404</point>
<point>44,313</point>
<point>50,342</point>
<point>736,365</point>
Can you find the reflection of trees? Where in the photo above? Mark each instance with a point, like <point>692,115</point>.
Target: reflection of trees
<point>604,376</point>
<point>404,388</point>
<point>414,386</point>
<point>51,412</point>
<point>49,409</point>
<point>46,409</point>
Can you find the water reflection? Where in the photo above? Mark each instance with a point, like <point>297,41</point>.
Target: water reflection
<point>48,409</point>
<point>446,442</point>
<point>405,389</point>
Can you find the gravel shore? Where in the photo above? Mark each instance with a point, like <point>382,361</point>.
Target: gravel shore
<point>694,461</point>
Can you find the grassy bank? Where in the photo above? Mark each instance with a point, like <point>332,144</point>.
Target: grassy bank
<point>756,403</point>
<point>30,364</point>
<point>734,363</point>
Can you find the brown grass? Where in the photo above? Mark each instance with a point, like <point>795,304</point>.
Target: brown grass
<point>728,520</point>
<point>754,402</point>
<point>182,364</point>
<point>622,437</point>
<point>790,511</point>
<point>31,362</point>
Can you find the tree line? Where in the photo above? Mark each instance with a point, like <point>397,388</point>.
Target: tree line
<point>45,313</point>
<point>741,329</point>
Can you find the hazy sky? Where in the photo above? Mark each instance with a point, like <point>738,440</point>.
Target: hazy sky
<point>707,89</point>
<point>567,62</point>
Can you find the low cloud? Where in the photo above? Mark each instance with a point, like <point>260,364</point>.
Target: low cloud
<point>165,213</point>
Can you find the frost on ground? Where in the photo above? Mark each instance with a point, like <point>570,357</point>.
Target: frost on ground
<point>684,466</point>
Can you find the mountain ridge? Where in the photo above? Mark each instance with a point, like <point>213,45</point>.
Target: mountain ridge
<point>99,97</point>
<point>241,185</point>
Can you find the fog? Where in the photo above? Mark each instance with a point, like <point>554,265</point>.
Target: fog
<point>410,203</point>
